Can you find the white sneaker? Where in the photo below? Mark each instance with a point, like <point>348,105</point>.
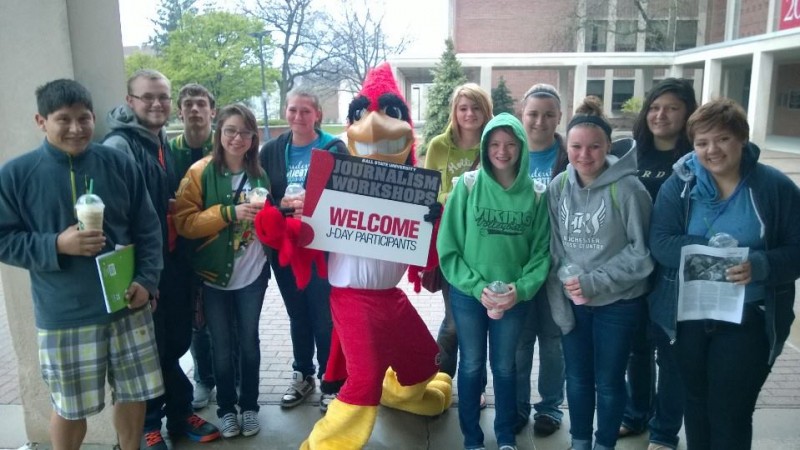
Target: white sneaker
<point>298,390</point>
<point>229,425</point>
<point>250,424</point>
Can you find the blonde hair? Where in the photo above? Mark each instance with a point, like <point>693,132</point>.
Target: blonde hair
<point>470,91</point>
<point>541,90</point>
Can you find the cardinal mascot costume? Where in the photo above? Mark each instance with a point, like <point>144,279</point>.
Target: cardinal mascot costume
<point>390,356</point>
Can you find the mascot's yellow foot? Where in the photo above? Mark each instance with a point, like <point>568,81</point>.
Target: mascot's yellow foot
<point>344,427</point>
<point>429,398</point>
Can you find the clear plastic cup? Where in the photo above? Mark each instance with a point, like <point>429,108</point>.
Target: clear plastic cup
<point>89,210</point>
<point>295,194</point>
<point>723,240</point>
<point>567,272</point>
<point>258,196</point>
<point>500,289</point>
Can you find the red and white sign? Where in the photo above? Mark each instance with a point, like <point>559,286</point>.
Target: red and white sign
<point>365,207</point>
<point>790,14</point>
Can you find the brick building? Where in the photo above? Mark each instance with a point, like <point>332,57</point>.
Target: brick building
<point>748,50</point>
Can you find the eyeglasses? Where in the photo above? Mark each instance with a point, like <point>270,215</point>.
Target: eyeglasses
<point>233,132</point>
<point>150,98</point>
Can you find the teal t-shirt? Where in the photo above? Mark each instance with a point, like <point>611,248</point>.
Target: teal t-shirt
<point>541,164</point>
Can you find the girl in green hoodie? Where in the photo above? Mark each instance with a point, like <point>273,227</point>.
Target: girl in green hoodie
<point>494,228</point>
<point>452,153</point>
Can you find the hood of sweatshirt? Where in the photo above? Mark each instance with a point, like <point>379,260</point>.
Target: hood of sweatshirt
<point>508,121</point>
<point>615,168</point>
<point>689,169</point>
<point>123,116</point>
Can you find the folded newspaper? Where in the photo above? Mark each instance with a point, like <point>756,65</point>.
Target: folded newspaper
<point>703,289</point>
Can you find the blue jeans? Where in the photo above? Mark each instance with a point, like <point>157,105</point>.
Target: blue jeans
<point>723,366</point>
<point>596,353</point>
<point>232,318</point>
<point>539,323</point>
<point>473,325</point>
<point>310,323</point>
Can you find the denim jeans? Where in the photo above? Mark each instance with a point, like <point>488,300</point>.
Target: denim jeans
<point>310,323</point>
<point>539,323</point>
<point>473,326</point>
<point>202,357</point>
<point>641,377</point>
<point>596,353</point>
<point>232,318</point>
<point>723,366</point>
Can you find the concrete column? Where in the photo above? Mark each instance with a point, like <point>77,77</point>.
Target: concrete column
<point>676,71</point>
<point>486,78</point>
<point>643,82</point>
<point>579,89</point>
<point>608,91</point>
<point>712,80</point>
<point>44,40</point>
<point>563,89</point>
<point>759,110</point>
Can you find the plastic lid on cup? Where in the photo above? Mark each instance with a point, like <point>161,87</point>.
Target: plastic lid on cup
<point>89,199</point>
<point>294,190</point>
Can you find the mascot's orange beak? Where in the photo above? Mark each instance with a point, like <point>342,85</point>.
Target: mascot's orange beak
<point>378,136</point>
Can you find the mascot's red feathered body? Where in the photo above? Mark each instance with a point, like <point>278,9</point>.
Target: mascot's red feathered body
<point>391,357</point>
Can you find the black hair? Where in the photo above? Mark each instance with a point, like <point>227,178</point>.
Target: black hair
<point>57,94</point>
<point>679,87</point>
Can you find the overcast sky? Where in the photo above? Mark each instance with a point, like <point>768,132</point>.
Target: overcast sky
<point>425,20</point>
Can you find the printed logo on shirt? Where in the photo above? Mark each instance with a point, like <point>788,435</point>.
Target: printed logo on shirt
<point>460,166</point>
<point>583,227</point>
<point>653,174</point>
<point>297,173</point>
<point>495,221</point>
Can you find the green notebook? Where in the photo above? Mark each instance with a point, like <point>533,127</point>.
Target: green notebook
<point>116,274</point>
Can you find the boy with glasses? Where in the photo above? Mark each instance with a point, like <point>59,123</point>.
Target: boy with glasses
<point>138,130</point>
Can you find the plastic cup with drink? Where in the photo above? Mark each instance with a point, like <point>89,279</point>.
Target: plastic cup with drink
<point>501,296</point>
<point>295,196</point>
<point>567,272</point>
<point>258,196</point>
<point>89,210</point>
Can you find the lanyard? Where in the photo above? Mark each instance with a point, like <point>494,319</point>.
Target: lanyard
<point>239,189</point>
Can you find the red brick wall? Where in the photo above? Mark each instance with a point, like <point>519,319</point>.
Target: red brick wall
<point>518,81</point>
<point>512,26</point>
<point>716,21</point>
<point>753,19</point>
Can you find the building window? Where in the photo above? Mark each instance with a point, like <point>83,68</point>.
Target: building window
<point>596,88</point>
<point>686,34</point>
<point>622,90</point>
<point>625,36</point>
<point>596,36</point>
<point>657,39</point>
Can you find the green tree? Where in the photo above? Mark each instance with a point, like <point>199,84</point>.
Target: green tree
<point>170,13</point>
<point>447,75</point>
<point>141,60</point>
<point>216,50</point>
<point>501,98</point>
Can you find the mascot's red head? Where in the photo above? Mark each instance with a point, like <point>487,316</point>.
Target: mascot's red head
<point>380,125</point>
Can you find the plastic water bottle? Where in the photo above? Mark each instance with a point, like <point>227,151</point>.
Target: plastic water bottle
<point>500,288</point>
<point>567,272</point>
<point>295,195</point>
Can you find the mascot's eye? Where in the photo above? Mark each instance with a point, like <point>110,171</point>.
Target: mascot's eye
<point>393,111</point>
<point>359,113</point>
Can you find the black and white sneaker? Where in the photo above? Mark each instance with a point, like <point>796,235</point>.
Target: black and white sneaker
<point>300,388</point>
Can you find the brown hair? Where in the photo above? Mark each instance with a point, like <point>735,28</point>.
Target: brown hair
<point>251,164</point>
<point>590,113</point>
<point>473,92</point>
<point>147,74</point>
<point>311,95</point>
<point>196,90</point>
<point>719,113</point>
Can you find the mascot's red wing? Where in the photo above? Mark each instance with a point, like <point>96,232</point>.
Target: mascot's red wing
<point>283,234</point>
